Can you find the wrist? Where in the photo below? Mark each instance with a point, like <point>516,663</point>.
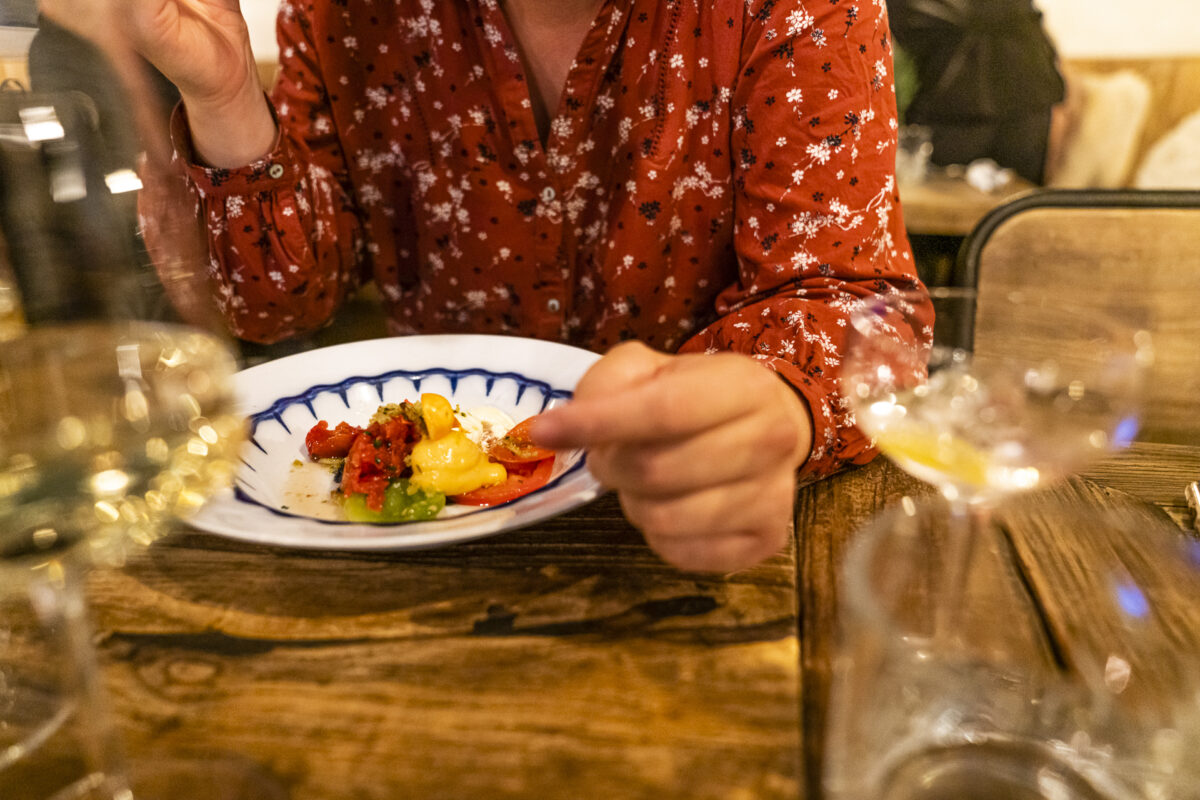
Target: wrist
<point>232,132</point>
<point>800,413</point>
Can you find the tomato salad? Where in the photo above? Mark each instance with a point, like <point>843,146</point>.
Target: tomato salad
<point>414,458</point>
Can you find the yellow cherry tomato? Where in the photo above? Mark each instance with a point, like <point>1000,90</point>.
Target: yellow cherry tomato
<point>437,415</point>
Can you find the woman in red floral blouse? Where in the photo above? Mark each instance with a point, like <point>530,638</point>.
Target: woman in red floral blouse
<point>710,179</point>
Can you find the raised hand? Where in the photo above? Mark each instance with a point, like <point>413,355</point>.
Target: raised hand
<point>702,450</point>
<point>203,47</point>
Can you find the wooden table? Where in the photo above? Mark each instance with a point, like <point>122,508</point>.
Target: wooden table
<point>562,661</point>
<point>945,205</point>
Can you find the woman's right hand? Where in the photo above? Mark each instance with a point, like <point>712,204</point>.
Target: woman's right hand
<point>203,47</point>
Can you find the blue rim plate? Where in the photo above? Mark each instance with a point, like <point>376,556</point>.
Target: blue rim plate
<point>283,399</point>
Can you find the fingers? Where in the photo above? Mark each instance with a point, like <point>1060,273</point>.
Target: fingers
<point>702,450</point>
<point>628,364</point>
<point>717,529</point>
<point>683,396</point>
<point>760,442</point>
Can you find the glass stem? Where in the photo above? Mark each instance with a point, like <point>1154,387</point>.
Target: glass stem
<point>964,528</point>
<point>59,599</point>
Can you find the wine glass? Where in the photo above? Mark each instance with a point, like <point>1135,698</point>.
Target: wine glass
<point>1047,390</point>
<point>984,401</point>
<point>1114,714</point>
<point>116,405</point>
<point>106,433</point>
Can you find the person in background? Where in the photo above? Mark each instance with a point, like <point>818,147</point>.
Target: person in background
<point>703,190</point>
<point>987,79</point>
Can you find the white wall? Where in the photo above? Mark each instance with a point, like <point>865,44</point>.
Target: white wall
<point>260,16</point>
<point>1081,28</point>
<point>1123,28</point>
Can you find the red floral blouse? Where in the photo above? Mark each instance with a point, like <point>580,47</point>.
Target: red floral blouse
<point>718,176</point>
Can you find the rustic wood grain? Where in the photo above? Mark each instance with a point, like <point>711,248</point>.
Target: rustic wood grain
<point>1155,473</point>
<point>829,515</point>
<point>563,658</point>
<point>561,661</point>
<point>1118,592</point>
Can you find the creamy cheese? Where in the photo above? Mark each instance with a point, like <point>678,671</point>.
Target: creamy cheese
<point>484,424</point>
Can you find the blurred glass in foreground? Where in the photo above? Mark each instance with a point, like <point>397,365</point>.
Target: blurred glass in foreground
<point>1093,703</point>
<point>116,402</point>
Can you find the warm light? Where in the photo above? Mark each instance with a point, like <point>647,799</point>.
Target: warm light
<point>1026,478</point>
<point>44,538</point>
<point>107,512</point>
<point>887,408</point>
<point>199,382</point>
<point>123,180</point>
<point>70,433</point>
<point>129,362</point>
<point>1051,786</point>
<point>157,450</point>
<point>137,407</point>
<point>1117,673</point>
<point>110,482</point>
<point>41,124</point>
<point>1145,349</point>
<point>172,358</point>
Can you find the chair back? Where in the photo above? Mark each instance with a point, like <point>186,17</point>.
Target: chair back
<point>1133,255</point>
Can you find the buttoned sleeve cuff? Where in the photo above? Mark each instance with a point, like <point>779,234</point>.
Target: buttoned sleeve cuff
<point>275,170</point>
<point>834,447</point>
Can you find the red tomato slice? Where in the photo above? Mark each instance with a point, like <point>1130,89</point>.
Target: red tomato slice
<point>520,482</point>
<point>376,456</point>
<point>362,475</point>
<point>515,447</point>
<point>324,443</point>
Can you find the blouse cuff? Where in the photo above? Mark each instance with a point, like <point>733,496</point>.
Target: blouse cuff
<point>276,169</point>
<point>827,455</point>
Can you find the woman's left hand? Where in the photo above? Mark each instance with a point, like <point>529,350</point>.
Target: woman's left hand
<point>701,449</point>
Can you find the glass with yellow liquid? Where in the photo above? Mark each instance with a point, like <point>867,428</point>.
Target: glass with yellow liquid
<point>985,400</point>
<point>107,432</point>
<point>1044,392</point>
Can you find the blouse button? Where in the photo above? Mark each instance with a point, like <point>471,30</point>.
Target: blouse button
<point>552,305</point>
<point>548,194</point>
<point>276,171</point>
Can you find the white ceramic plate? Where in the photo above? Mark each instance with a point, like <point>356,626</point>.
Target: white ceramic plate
<point>283,399</point>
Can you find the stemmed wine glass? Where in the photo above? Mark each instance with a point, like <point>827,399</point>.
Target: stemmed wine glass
<point>116,406</point>
<point>986,400</point>
<point>106,434</point>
